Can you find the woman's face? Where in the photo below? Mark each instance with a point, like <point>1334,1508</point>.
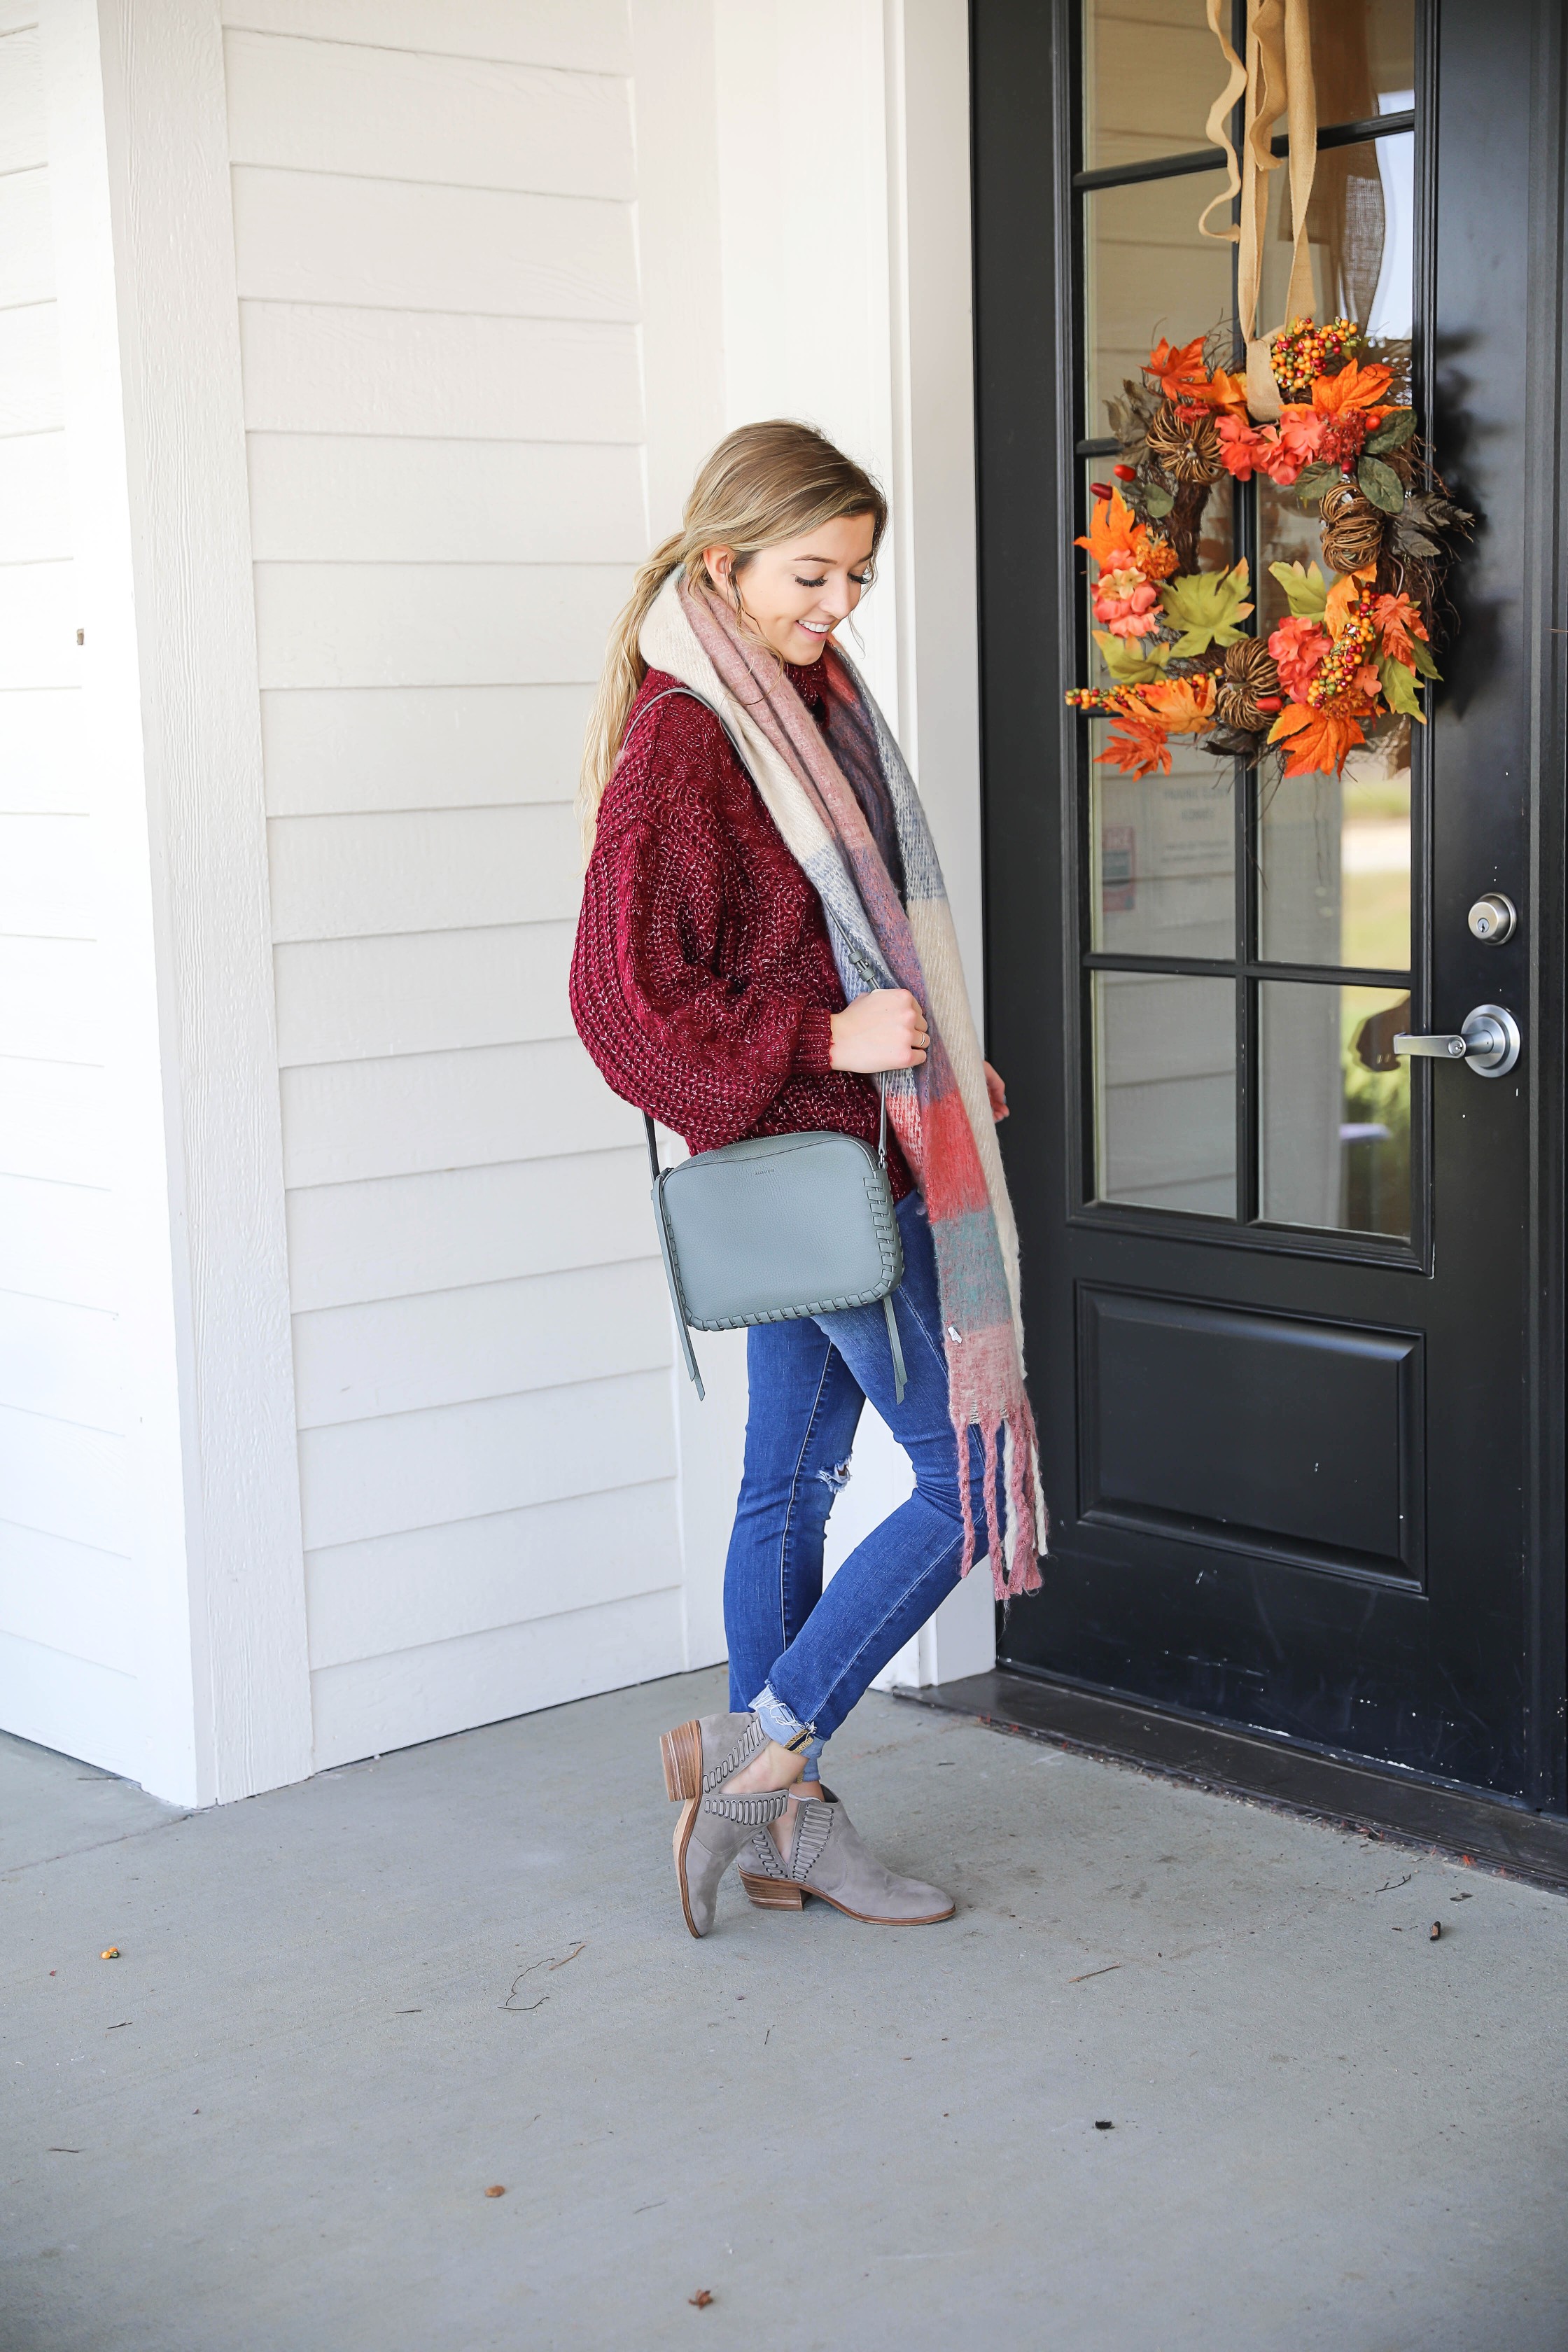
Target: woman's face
<point>795,595</point>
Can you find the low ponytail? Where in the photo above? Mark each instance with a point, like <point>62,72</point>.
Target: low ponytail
<point>763,483</point>
<point>624,672</point>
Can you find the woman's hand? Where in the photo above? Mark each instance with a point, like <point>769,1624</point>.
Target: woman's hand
<point>998,1094</point>
<point>884,1029</point>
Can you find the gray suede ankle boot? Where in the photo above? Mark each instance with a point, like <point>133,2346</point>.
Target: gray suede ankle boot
<point>826,1858</point>
<point>699,1757</point>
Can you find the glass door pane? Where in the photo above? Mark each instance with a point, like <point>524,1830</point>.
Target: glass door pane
<point>1363,58</point>
<point>1165,1090</point>
<point>1361,233</point>
<point>1150,274</point>
<point>1334,884</point>
<point>1335,1126</point>
<point>1149,80</point>
<point>1164,857</point>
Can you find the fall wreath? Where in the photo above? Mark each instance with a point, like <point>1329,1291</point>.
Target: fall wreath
<point>1355,647</point>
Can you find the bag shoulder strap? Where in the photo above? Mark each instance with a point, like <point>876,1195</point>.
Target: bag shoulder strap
<point>656,1172</point>
<point>667,694</point>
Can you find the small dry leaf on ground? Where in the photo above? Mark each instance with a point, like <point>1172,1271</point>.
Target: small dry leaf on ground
<point>1437,1929</point>
<point>111,1954</point>
<point>496,2191</point>
<point>703,2298</point>
<point>522,2009</point>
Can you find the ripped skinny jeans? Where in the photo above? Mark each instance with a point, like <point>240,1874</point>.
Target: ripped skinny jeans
<point>801,1656</point>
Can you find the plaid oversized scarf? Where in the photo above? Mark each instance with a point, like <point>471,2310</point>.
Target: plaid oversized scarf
<point>941,1113</point>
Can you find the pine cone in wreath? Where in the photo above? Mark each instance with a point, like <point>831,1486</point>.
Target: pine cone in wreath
<point>1352,528</point>
<point>1186,448</point>
<point>1249,672</point>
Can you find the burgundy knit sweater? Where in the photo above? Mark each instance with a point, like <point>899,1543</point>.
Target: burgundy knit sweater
<point>703,978</point>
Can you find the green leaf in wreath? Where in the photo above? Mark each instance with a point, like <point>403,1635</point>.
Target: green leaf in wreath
<point>1158,502</point>
<point>1424,661</point>
<point>1313,481</point>
<point>1207,607</point>
<point>1380,484</point>
<point>1306,591</point>
<point>1393,433</point>
<point>1399,689</point>
<point>1132,661</point>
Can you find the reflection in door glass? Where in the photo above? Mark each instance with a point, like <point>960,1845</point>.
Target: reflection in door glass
<point>1150,274</point>
<point>1335,1108</point>
<point>1363,58</point>
<point>1164,1066</point>
<point>1361,227</point>
<point>1164,852</point>
<point>1151,71</point>
<point>1334,860</point>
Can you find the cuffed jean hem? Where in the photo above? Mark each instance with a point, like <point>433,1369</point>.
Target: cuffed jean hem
<point>783,1726</point>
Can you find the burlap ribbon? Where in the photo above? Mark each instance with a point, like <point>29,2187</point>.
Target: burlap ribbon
<point>1278,79</point>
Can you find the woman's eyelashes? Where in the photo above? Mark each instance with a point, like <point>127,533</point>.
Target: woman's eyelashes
<point>856,578</point>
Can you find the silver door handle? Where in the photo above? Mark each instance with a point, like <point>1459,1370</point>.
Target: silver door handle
<point>1487,1043</point>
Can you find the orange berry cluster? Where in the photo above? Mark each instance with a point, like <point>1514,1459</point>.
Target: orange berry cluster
<point>1334,680</point>
<point>1301,352</point>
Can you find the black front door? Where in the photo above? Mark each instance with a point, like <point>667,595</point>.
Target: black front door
<point>1293,1306</point>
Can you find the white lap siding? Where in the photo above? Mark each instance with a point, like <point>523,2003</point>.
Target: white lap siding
<point>436,239</point>
<point>396,328</point>
<point>67,1622</point>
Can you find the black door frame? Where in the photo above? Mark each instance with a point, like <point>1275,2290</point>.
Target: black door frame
<point>1025,139</point>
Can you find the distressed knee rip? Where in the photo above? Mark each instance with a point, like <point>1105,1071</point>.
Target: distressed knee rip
<point>835,1479</point>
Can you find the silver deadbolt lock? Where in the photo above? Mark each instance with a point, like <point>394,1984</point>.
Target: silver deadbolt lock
<point>1493,919</point>
<point>1487,1043</point>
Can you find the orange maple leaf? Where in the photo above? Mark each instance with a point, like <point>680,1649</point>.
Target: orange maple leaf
<point>1120,543</point>
<point>1183,706</point>
<point>1226,395</point>
<point>1318,740</point>
<point>1137,747</point>
<point>1354,387</point>
<point>1180,372</point>
<point>1398,621</point>
<point>1150,714</point>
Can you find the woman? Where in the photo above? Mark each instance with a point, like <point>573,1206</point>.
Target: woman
<point>759,945</point>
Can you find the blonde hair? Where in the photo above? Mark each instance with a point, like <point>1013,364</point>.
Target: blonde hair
<point>763,484</point>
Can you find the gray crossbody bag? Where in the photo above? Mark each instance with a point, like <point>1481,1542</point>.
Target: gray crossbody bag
<point>778,1226</point>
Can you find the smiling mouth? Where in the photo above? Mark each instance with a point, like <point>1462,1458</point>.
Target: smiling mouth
<point>815,628</point>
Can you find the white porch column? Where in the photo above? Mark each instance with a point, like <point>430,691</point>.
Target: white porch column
<point>144,236</point>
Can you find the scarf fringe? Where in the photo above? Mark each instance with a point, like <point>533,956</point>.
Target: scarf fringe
<point>1016,1547</point>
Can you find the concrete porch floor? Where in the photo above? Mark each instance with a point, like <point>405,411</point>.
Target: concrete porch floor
<point>344,2009</point>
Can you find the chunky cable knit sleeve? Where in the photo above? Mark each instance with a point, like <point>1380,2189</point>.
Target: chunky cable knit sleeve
<point>706,1051</point>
